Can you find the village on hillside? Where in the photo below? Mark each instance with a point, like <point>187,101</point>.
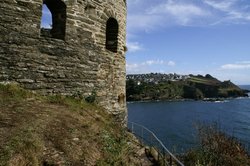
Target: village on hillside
<point>156,77</point>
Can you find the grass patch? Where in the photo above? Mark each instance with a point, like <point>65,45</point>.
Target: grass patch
<point>116,148</point>
<point>205,81</point>
<point>22,149</point>
<point>58,130</point>
<point>13,92</point>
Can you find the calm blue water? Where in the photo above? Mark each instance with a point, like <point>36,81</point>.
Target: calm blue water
<point>175,122</point>
<point>245,86</point>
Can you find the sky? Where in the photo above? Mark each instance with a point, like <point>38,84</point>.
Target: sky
<point>188,37</point>
<point>46,18</point>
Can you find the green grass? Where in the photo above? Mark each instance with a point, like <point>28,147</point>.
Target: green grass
<point>116,148</point>
<point>205,81</point>
<point>23,148</point>
<point>13,92</point>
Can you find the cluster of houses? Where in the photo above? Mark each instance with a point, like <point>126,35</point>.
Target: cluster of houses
<point>156,77</point>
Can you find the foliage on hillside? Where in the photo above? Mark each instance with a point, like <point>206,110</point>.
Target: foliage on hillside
<point>195,87</point>
<point>216,148</point>
<point>57,130</point>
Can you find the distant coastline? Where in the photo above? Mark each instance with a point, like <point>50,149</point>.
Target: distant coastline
<point>174,87</point>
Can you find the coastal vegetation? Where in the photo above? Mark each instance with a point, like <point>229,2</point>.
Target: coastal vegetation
<point>216,148</point>
<point>58,130</point>
<point>156,87</point>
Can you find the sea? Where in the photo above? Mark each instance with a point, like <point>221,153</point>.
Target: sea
<point>175,123</point>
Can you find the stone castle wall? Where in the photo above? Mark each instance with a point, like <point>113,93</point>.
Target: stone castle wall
<point>75,58</point>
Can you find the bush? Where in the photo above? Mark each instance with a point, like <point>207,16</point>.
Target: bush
<point>91,98</point>
<point>216,149</point>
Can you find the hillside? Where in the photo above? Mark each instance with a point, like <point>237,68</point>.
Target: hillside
<point>56,130</point>
<point>169,87</point>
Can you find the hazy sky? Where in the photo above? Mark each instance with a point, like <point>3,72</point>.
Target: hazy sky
<point>188,37</point>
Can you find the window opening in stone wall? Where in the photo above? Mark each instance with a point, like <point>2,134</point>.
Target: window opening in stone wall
<point>57,19</point>
<point>112,35</point>
<point>46,21</point>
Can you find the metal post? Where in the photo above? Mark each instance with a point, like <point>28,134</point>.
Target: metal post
<point>164,156</point>
<point>142,135</point>
<point>132,127</point>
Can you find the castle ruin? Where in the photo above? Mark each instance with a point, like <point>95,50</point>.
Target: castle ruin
<point>83,53</point>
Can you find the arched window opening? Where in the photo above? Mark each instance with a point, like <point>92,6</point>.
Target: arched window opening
<point>46,21</point>
<point>112,35</point>
<point>57,9</point>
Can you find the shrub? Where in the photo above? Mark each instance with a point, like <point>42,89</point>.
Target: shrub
<point>91,98</point>
<point>217,149</point>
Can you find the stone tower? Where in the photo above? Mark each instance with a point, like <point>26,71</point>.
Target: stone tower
<point>83,54</point>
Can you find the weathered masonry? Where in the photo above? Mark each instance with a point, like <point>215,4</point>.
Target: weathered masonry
<point>83,53</point>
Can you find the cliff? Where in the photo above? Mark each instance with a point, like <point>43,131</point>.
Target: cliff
<point>177,87</point>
